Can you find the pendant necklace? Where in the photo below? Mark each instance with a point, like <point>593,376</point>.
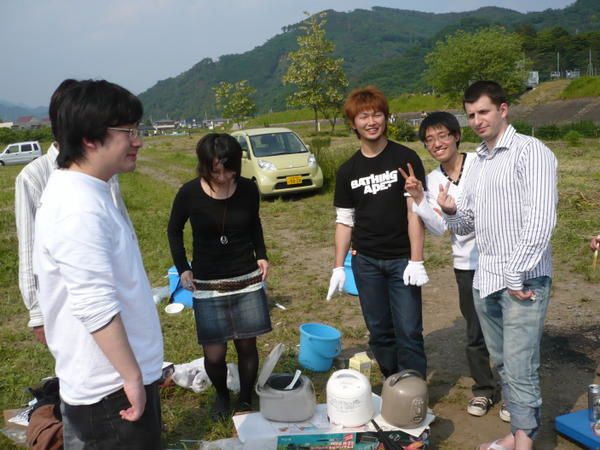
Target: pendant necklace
<point>223,239</point>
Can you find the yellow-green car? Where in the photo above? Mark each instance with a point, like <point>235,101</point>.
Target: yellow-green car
<point>278,161</point>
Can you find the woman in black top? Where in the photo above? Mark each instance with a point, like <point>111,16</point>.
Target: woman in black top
<point>229,263</point>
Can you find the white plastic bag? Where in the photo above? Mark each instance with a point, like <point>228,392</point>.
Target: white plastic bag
<point>193,376</point>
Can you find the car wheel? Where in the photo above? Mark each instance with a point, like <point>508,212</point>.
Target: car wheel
<point>1,163</point>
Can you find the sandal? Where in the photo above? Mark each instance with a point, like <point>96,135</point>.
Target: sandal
<point>491,446</point>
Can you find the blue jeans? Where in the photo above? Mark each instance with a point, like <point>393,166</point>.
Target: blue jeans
<point>513,330</point>
<point>392,312</point>
<point>100,427</point>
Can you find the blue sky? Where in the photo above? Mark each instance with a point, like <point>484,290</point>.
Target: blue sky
<point>136,43</point>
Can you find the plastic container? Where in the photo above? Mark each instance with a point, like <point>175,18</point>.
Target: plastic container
<point>179,294</point>
<point>319,344</point>
<point>349,284</point>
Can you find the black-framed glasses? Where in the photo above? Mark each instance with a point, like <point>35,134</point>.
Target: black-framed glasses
<point>132,132</point>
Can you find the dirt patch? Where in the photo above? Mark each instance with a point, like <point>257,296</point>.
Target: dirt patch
<point>159,175</point>
<point>570,356</point>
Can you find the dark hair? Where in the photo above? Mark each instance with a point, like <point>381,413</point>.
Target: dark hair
<point>485,87</point>
<point>439,119</point>
<point>55,102</point>
<point>364,99</point>
<point>224,148</point>
<point>87,109</point>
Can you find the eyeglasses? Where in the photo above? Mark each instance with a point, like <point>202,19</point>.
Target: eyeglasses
<point>132,132</point>
<point>443,137</point>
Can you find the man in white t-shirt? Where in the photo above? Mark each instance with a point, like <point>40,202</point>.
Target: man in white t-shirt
<point>440,133</point>
<point>100,321</point>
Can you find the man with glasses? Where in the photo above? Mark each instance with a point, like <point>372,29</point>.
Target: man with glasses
<point>29,185</point>
<point>100,320</point>
<point>441,133</point>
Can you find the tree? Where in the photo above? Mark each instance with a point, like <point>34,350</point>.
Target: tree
<point>233,99</point>
<point>487,54</point>
<point>319,79</point>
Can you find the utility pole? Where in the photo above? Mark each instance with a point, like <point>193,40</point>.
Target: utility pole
<point>590,70</point>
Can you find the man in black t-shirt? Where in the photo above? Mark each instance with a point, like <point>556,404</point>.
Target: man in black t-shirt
<point>386,236</point>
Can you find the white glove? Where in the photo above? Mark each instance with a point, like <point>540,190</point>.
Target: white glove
<point>415,274</point>
<point>338,278</point>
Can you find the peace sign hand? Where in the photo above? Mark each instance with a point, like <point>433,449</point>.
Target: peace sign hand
<point>412,184</point>
<point>446,201</point>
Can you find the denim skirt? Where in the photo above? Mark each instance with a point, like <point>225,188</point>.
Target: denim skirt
<point>236,316</point>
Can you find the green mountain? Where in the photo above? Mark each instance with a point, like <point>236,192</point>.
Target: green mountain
<point>381,46</point>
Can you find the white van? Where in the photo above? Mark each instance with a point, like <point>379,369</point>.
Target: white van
<point>20,153</point>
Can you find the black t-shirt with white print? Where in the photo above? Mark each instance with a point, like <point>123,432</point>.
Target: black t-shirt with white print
<point>375,189</point>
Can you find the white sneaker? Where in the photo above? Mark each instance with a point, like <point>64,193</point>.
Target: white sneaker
<point>479,406</point>
<point>504,413</point>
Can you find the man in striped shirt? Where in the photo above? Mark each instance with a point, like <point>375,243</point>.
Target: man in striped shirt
<point>510,203</point>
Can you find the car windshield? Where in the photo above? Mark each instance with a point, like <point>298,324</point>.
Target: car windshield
<point>276,144</point>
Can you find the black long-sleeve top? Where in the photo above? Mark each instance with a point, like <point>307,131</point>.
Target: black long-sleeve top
<point>210,259</point>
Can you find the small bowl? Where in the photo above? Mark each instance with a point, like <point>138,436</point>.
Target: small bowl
<point>174,308</point>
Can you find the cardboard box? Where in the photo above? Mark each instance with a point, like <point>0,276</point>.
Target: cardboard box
<point>361,363</point>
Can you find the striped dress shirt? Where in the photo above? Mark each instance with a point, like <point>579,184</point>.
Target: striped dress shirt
<point>29,185</point>
<point>510,201</point>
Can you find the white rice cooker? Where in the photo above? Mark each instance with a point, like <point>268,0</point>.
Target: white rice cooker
<point>349,401</point>
<point>278,400</point>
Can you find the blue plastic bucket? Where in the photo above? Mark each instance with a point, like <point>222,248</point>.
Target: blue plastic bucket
<point>179,294</point>
<point>319,344</point>
<point>349,284</point>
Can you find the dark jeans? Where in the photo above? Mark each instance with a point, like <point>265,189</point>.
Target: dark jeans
<point>100,427</point>
<point>392,313</point>
<point>477,353</point>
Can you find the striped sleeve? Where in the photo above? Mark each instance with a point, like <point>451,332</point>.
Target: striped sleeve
<point>537,169</point>
<point>26,198</point>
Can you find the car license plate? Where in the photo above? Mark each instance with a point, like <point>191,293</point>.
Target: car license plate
<point>296,179</point>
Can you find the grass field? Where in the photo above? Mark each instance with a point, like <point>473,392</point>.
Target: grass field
<point>299,237</point>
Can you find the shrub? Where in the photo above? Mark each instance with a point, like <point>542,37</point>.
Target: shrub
<point>468,135</point>
<point>573,138</point>
<point>585,128</point>
<point>548,132</point>
<point>402,131</point>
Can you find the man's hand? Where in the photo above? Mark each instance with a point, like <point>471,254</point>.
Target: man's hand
<point>136,394</point>
<point>412,184</point>
<point>415,274</point>
<point>338,278</point>
<point>40,335</point>
<point>445,200</point>
<point>187,280</point>
<point>263,265</point>
<point>522,294</point>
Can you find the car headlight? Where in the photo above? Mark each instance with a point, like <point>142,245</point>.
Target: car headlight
<point>266,165</point>
<point>312,161</point>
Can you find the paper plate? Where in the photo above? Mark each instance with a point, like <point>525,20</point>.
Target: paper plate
<point>174,308</point>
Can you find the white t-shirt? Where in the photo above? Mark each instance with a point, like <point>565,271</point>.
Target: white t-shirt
<point>464,250</point>
<point>89,268</point>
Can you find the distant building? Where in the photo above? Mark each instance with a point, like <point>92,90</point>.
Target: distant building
<point>28,123</point>
<point>164,125</point>
<point>211,124</point>
<point>6,124</point>
<point>533,79</point>
<point>572,74</point>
